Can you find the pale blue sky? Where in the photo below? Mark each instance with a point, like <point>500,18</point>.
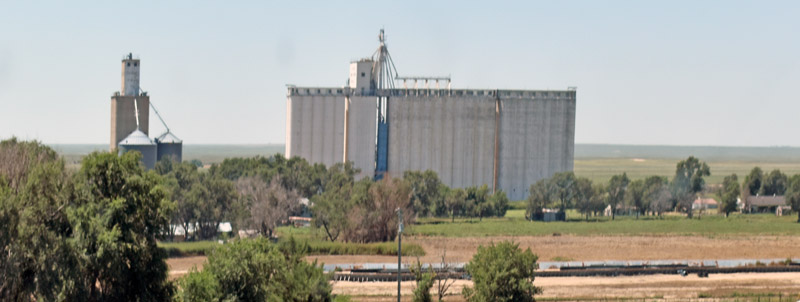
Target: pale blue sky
<point>670,72</point>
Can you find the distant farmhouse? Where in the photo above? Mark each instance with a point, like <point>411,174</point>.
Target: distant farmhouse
<point>764,204</point>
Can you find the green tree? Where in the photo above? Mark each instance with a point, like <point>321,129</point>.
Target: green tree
<point>540,195</point>
<point>752,182</point>
<point>119,214</point>
<point>564,186</point>
<point>729,193</point>
<point>179,179</point>
<point>656,194</point>
<point>37,261</point>
<point>688,181</point>
<point>617,186</point>
<point>793,194</point>
<point>257,270</point>
<point>635,196</point>
<point>213,199</point>
<point>585,197</point>
<point>424,190</point>
<point>199,286</point>
<point>499,203</point>
<point>440,208</point>
<point>502,272</point>
<point>477,202</point>
<point>455,201</point>
<point>774,183</point>
<point>331,209</point>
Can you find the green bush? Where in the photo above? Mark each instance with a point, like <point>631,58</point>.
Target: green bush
<point>422,293</point>
<point>502,272</point>
<point>258,270</point>
<point>199,286</point>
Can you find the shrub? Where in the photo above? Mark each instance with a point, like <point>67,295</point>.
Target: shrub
<point>258,270</point>
<point>502,272</point>
<point>422,293</point>
<point>199,287</point>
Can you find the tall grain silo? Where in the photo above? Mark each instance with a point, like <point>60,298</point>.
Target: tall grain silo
<point>169,146</point>
<point>138,141</point>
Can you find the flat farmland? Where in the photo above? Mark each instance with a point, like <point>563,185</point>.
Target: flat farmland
<point>601,169</point>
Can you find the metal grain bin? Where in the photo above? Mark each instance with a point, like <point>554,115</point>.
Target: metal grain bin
<point>138,141</point>
<point>170,146</point>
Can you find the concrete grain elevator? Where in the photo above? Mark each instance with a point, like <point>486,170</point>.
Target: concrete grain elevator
<point>506,139</point>
<point>130,117</point>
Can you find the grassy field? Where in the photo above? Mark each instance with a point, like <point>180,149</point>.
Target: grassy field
<point>601,169</point>
<point>514,224</point>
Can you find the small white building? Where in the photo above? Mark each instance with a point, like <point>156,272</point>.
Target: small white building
<point>704,204</point>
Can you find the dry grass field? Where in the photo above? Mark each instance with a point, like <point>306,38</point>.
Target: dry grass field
<point>590,248</point>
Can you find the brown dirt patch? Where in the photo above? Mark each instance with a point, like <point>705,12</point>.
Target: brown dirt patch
<point>181,266</point>
<point>587,248</point>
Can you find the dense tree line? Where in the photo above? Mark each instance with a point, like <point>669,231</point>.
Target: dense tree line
<point>91,234</point>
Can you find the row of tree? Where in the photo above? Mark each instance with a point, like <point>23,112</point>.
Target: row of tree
<point>261,193</point>
<point>654,194</point>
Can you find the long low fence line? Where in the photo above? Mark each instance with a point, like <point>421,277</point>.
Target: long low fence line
<point>390,275</point>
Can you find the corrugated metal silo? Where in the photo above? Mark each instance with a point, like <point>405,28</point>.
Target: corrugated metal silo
<point>170,146</point>
<point>138,141</point>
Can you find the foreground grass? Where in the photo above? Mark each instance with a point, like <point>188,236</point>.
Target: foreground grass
<point>514,224</point>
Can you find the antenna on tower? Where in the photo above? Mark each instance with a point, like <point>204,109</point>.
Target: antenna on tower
<point>384,71</point>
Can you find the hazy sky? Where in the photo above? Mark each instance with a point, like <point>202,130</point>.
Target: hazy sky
<point>674,72</point>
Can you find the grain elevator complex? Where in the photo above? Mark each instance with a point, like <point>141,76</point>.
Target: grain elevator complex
<point>506,139</point>
<point>130,119</point>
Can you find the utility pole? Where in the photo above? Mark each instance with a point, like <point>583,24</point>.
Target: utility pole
<point>399,246</point>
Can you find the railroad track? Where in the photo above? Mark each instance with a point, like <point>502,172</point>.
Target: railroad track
<point>391,276</point>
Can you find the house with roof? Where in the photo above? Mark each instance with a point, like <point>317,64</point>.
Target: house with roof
<point>763,204</point>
